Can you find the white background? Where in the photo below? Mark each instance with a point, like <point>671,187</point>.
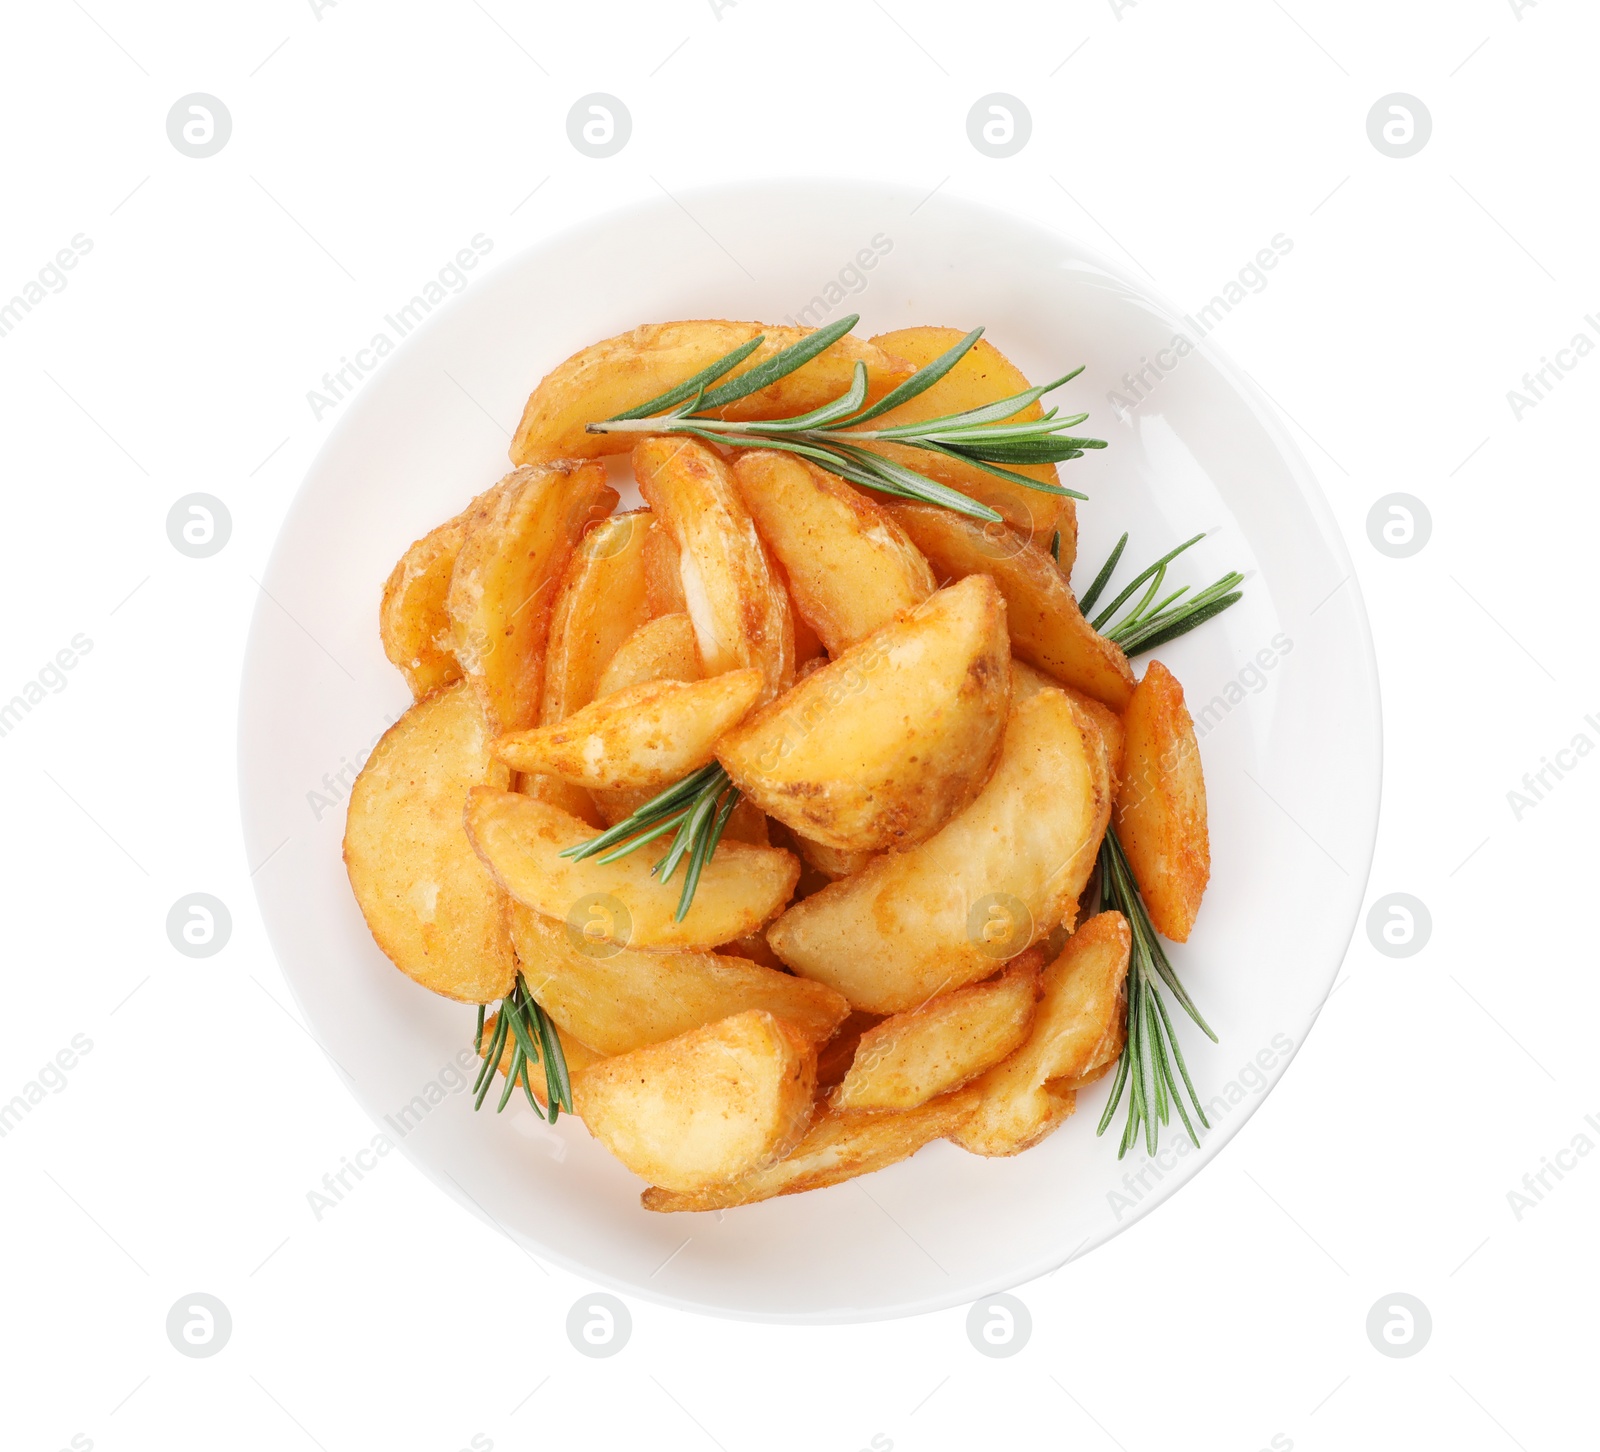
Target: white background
<point>370,143</point>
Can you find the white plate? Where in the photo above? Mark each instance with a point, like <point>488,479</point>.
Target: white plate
<point>1292,749</point>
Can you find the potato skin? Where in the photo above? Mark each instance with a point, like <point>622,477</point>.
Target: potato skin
<point>1161,806</point>
<point>915,1056</point>
<point>737,604</point>
<point>1047,628</point>
<point>600,603</point>
<point>1076,1036</point>
<point>850,568</point>
<point>707,1107</point>
<point>620,373</point>
<point>916,923</point>
<point>882,746</point>
<point>502,590</point>
<point>521,840</point>
<point>623,1000</point>
<point>839,1146</point>
<point>429,902</point>
<point>983,376</point>
<point>412,620</point>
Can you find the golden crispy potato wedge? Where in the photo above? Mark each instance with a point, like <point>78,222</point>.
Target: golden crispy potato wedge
<point>430,903</point>
<point>982,376</point>
<point>623,372</point>
<point>646,736</point>
<point>1025,682</point>
<point>849,567</point>
<point>1076,1034</point>
<point>916,1056</point>
<point>880,747</point>
<point>578,1056</point>
<point>620,999</point>
<point>992,882</point>
<point>1161,807</point>
<point>663,582</point>
<point>502,590</point>
<point>521,839</point>
<point>709,1106</point>
<point>600,604</point>
<point>837,1147</point>
<point>413,621</point>
<point>1047,628</point>
<point>740,613</point>
<point>662,649</point>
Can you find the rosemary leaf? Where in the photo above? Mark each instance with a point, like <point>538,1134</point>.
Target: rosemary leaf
<point>779,365</point>
<point>690,387</point>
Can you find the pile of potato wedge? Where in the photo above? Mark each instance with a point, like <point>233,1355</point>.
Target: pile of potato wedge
<point>895,940</point>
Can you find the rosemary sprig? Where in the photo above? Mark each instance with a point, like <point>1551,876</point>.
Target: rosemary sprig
<point>1155,621</point>
<point>698,807</point>
<point>534,1040</point>
<point>988,438</point>
<point>1145,1068</point>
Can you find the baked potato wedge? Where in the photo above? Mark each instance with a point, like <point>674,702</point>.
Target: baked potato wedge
<point>1077,1034</point>
<point>522,839</point>
<point>1161,805</point>
<point>915,1056</point>
<point>1026,681</point>
<point>880,747</point>
<point>620,999</point>
<point>663,582</point>
<point>1047,628</point>
<point>993,881</point>
<point>839,1146</point>
<point>412,620</point>
<point>619,374</point>
<point>649,735</point>
<point>601,603</point>
<point>737,605</point>
<point>849,566</point>
<point>662,649</point>
<point>983,376</point>
<point>709,1106</point>
<point>502,589</point>
<point>430,903</point>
